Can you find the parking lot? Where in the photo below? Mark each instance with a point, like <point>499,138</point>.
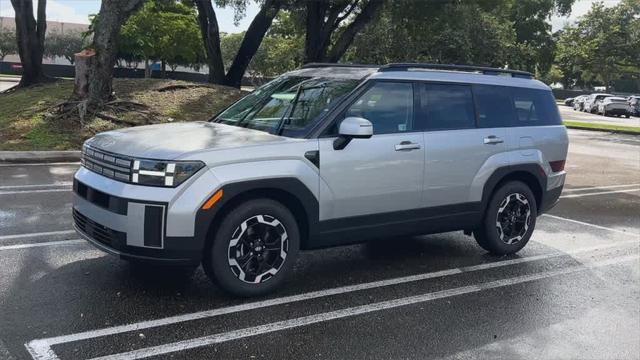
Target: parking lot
<point>568,113</point>
<point>573,292</point>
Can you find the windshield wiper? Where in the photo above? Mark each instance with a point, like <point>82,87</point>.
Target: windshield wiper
<point>292,107</point>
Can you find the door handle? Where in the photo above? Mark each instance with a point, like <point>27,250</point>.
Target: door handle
<point>406,146</point>
<point>493,140</point>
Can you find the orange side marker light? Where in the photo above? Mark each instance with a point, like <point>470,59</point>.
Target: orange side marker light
<point>212,200</point>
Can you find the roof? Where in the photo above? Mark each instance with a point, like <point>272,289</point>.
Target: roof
<point>431,72</point>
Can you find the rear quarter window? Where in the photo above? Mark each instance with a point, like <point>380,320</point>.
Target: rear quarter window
<point>535,108</point>
<point>503,106</point>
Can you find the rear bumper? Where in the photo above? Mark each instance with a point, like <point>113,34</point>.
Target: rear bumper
<point>550,198</point>
<point>617,111</point>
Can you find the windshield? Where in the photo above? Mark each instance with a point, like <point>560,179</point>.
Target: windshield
<point>287,104</point>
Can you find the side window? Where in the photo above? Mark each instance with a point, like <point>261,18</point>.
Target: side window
<point>494,105</point>
<point>535,108</point>
<point>447,106</point>
<point>389,107</point>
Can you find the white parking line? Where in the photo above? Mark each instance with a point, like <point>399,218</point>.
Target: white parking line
<point>598,193</point>
<point>33,191</point>
<point>17,187</point>
<point>588,224</point>
<point>49,243</point>
<point>39,234</point>
<point>353,311</point>
<point>600,187</point>
<point>41,348</point>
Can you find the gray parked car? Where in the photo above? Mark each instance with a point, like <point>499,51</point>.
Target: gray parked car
<point>614,106</point>
<point>323,156</point>
<point>634,102</point>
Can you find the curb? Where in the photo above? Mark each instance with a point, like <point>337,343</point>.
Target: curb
<point>26,157</point>
<point>625,132</point>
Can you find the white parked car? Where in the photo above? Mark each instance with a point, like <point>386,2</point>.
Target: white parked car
<point>591,103</point>
<point>614,106</point>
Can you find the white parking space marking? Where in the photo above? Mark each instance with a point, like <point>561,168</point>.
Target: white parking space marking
<point>33,191</point>
<point>588,224</point>
<point>600,187</point>
<point>39,164</point>
<point>18,187</point>
<point>599,193</point>
<point>49,243</point>
<point>41,348</point>
<point>38,234</point>
<point>354,311</point>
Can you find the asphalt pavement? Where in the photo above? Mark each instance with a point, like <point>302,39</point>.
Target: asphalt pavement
<point>572,293</point>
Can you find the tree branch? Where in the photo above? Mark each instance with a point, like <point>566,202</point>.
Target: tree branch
<point>346,38</point>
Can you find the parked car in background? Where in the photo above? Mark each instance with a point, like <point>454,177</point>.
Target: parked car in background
<point>569,101</point>
<point>614,106</point>
<point>578,102</point>
<point>591,103</point>
<point>634,102</point>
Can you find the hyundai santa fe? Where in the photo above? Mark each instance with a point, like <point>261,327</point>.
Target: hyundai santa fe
<point>328,155</point>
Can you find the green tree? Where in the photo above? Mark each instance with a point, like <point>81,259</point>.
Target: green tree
<point>166,31</point>
<point>602,46</point>
<point>8,44</point>
<point>65,44</point>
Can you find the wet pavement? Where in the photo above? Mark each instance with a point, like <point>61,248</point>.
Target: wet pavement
<point>572,293</point>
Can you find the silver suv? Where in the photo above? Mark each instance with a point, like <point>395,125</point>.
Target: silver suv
<point>328,155</point>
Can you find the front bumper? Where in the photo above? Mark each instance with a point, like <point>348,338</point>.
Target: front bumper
<point>139,222</point>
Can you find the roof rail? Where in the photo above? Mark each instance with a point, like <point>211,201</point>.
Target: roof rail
<point>324,65</point>
<point>450,67</point>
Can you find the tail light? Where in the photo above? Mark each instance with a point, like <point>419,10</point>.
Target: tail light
<point>557,165</point>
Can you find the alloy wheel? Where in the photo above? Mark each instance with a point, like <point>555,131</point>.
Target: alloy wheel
<point>258,248</point>
<point>514,218</point>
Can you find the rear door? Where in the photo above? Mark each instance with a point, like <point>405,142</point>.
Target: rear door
<point>460,136</point>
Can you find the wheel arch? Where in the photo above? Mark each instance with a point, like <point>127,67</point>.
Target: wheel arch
<point>290,192</point>
<point>531,174</point>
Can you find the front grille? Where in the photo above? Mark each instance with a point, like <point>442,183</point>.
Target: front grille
<point>100,233</point>
<point>111,165</point>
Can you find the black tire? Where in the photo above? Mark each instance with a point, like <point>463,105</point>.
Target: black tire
<point>493,238</point>
<point>260,215</point>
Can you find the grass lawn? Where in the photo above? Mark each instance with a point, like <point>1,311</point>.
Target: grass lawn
<point>25,124</point>
<point>600,126</point>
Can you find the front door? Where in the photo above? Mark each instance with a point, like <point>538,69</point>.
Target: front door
<point>381,174</point>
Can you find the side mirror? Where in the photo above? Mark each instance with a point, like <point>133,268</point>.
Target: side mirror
<point>352,128</point>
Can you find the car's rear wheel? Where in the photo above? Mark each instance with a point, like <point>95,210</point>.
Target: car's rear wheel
<point>509,220</point>
<point>253,249</point>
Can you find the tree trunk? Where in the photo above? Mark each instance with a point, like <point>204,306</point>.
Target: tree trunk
<point>346,38</point>
<point>83,63</point>
<point>113,13</point>
<point>164,69</point>
<point>30,38</point>
<point>211,39</point>
<point>147,69</point>
<point>251,42</point>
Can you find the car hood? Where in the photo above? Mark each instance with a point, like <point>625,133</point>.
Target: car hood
<point>169,141</point>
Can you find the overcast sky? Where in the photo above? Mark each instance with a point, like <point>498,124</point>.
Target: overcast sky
<point>77,11</point>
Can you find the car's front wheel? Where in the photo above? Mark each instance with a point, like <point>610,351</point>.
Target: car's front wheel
<point>253,249</point>
<point>509,219</point>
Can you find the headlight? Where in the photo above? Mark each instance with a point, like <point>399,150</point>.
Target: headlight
<point>163,173</point>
